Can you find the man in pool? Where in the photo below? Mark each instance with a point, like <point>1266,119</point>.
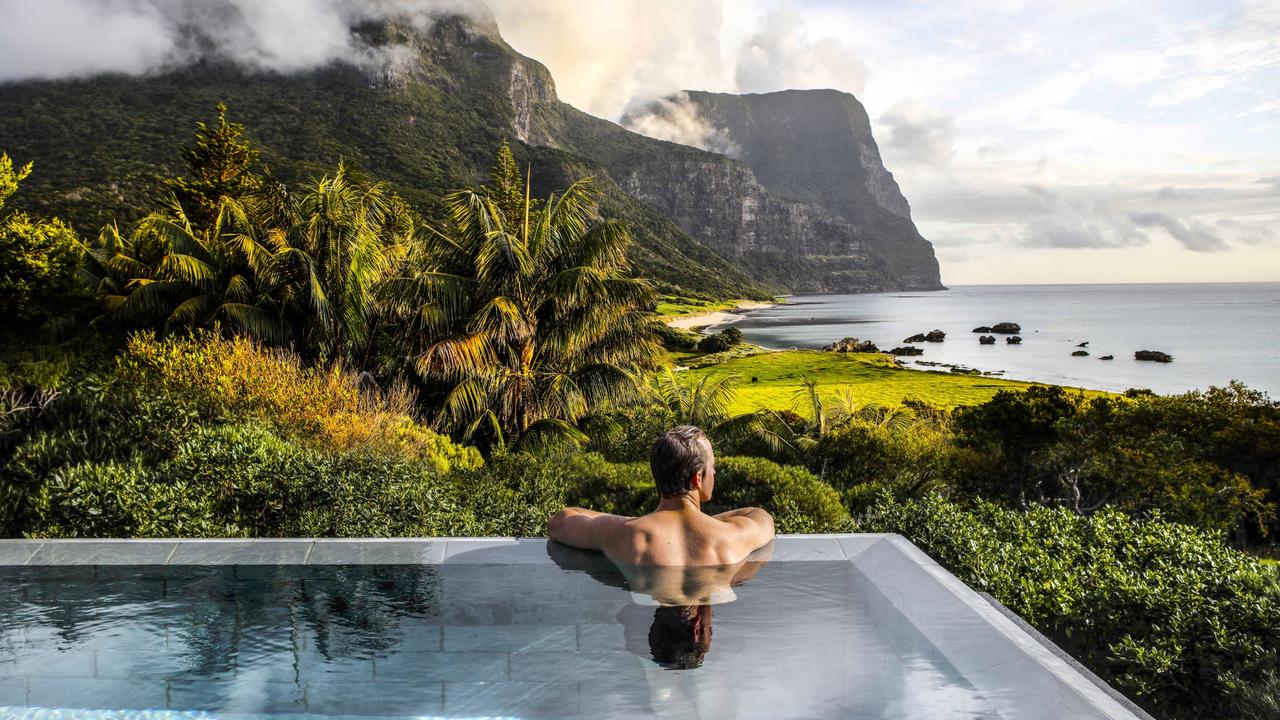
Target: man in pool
<point>678,532</point>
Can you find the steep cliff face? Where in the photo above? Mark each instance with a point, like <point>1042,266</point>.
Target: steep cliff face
<point>816,147</point>
<point>427,120</point>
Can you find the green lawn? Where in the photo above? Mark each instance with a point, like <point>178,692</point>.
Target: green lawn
<point>670,306</point>
<point>872,378</point>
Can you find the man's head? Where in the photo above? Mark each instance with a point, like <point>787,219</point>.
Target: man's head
<point>682,462</point>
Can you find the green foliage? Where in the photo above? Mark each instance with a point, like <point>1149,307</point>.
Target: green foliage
<point>798,501</point>
<point>1207,459</point>
<point>1168,614</point>
<point>219,165</point>
<point>40,261</point>
<point>526,329</point>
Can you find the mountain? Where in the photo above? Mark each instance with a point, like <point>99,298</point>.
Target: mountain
<point>427,120</point>
<point>816,146</point>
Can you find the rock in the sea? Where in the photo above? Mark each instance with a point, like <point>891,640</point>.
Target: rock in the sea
<point>1107,357</point>
<point>931,336</point>
<point>1014,339</point>
<point>1084,344</point>
<point>1153,356</point>
<point>1080,353</point>
<point>852,345</point>
<point>907,350</point>
<point>1006,328</point>
<point>982,329</point>
<point>987,340</point>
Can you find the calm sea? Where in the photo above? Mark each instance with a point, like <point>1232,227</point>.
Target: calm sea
<point>1216,332</point>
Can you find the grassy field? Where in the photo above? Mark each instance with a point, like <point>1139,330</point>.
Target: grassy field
<point>670,306</point>
<point>872,379</point>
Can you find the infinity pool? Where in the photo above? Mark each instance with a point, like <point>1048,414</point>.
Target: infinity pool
<point>563,635</point>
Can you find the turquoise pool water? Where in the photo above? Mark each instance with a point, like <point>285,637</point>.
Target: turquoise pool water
<point>575,639</point>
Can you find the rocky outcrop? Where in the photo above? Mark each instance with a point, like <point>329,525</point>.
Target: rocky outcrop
<point>933,336</point>
<point>1080,353</point>
<point>982,329</point>
<point>1006,328</point>
<point>906,351</point>
<point>1153,356</point>
<point>852,345</point>
<point>987,340</point>
<point>1107,357</point>
<point>1013,340</point>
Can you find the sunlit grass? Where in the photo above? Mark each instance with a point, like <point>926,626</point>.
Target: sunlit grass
<point>872,379</point>
<point>676,306</point>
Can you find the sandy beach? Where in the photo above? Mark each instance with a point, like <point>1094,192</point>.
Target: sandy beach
<point>701,320</point>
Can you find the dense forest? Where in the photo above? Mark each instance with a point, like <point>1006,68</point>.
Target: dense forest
<point>257,358</point>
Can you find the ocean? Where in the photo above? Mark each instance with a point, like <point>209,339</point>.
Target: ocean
<point>1216,332</point>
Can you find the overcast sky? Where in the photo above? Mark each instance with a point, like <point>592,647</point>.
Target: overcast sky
<point>1038,141</point>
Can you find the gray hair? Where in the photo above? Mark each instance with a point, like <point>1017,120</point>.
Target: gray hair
<point>677,456</point>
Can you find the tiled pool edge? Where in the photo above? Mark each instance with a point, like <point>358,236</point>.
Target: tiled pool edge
<point>1066,657</point>
<point>975,636</point>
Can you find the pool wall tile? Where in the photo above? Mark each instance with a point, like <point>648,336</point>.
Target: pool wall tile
<point>104,552</point>
<point>510,638</point>
<point>586,667</point>
<point>377,552</point>
<point>394,698</point>
<point>520,699</point>
<point>18,552</point>
<point>238,696</point>
<point>442,667</point>
<point>90,693</point>
<point>811,548</point>
<point>496,551</point>
<point>853,545</point>
<point>13,690</point>
<point>242,552</point>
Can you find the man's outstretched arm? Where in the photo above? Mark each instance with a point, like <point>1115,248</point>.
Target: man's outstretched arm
<point>582,528</point>
<point>755,524</point>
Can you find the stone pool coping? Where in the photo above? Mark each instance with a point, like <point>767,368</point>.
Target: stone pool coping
<point>982,641</point>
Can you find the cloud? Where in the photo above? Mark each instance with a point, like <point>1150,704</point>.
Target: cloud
<point>1077,220</point>
<point>75,38</point>
<point>678,119</point>
<point>1247,233</point>
<point>608,57</point>
<point>780,56</point>
<point>918,133</point>
<point>1194,235</point>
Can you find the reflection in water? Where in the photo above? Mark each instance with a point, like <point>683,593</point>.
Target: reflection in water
<point>679,633</point>
<point>680,636</point>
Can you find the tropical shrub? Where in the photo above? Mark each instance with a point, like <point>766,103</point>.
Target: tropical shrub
<point>1168,614</point>
<point>524,315</point>
<point>40,261</point>
<point>798,501</point>
<point>209,378</point>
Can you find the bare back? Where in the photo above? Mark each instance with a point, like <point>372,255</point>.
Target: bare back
<point>666,537</point>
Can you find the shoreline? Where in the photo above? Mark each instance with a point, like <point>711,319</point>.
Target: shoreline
<point>700,321</point>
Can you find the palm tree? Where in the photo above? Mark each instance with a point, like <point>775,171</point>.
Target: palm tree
<point>170,274</point>
<point>344,238</point>
<point>523,313</point>
<point>704,402</point>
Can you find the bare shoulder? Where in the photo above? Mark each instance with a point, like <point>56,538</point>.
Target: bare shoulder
<point>749,528</point>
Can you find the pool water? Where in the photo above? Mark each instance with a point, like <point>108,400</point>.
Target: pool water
<point>575,639</point>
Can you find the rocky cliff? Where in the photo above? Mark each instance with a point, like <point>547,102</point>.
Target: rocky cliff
<point>816,147</point>
<point>427,120</point>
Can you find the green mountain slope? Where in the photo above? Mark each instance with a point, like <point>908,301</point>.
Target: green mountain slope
<point>427,123</point>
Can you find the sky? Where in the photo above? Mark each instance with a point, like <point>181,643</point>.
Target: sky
<point>1036,140</point>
